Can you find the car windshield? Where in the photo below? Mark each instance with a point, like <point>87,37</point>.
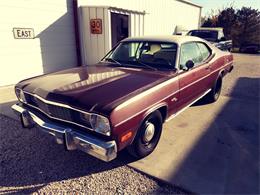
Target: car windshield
<point>209,35</point>
<point>153,55</point>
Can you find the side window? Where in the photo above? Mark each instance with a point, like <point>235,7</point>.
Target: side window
<point>205,52</point>
<point>190,51</point>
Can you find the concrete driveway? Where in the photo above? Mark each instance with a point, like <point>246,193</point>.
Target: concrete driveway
<point>7,99</point>
<point>214,148</point>
<point>209,148</point>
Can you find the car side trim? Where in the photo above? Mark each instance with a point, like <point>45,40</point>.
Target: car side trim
<point>141,95</point>
<point>180,111</point>
<point>219,69</point>
<point>162,103</point>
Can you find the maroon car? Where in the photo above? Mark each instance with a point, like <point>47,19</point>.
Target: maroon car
<point>123,101</point>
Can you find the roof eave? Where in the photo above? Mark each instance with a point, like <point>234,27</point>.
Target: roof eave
<point>190,3</point>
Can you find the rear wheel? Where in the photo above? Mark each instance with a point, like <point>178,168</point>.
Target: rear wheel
<point>215,91</point>
<point>147,136</point>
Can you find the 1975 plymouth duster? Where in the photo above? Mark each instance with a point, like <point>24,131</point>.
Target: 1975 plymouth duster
<point>122,101</point>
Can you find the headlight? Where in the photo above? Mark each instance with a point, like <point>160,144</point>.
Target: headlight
<point>20,95</point>
<point>99,123</point>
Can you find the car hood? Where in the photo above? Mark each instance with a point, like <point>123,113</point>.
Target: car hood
<point>98,88</point>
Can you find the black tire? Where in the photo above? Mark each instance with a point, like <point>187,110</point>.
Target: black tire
<point>215,91</point>
<point>140,146</point>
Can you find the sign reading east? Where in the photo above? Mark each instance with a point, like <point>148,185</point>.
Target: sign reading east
<point>23,33</point>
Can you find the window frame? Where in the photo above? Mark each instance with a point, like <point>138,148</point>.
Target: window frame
<point>208,48</point>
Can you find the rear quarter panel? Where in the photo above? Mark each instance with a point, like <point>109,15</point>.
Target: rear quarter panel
<point>220,64</point>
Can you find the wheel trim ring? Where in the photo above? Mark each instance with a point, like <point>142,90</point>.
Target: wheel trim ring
<point>149,132</point>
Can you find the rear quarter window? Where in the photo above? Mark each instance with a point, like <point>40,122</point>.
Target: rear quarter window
<point>190,51</point>
<point>204,50</point>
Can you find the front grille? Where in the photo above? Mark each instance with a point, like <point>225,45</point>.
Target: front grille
<point>38,103</point>
<point>55,111</point>
<point>60,112</point>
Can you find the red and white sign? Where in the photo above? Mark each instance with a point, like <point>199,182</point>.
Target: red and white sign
<point>96,26</point>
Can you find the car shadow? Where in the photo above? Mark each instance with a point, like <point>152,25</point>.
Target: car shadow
<point>225,158</point>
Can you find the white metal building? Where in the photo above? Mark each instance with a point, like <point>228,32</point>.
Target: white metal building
<point>42,36</point>
<point>52,47</point>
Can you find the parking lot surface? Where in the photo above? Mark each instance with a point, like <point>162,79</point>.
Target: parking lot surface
<point>214,148</point>
<point>209,148</point>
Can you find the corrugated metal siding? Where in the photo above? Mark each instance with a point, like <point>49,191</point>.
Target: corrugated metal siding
<point>53,47</point>
<point>95,46</point>
<point>162,17</point>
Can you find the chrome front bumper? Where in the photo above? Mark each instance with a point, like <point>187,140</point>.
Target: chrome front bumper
<point>72,140</point>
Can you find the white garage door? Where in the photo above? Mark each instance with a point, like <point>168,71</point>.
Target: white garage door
<point>53,47</point>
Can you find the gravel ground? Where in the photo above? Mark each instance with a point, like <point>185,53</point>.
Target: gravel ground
<point>30,162</point>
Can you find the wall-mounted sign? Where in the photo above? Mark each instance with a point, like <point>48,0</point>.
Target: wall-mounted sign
<point>96,26</point>
<point>23,33</point>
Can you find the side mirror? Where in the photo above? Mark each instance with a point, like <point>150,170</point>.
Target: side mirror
<point>189,64</point>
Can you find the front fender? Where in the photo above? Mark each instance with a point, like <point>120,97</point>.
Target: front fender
<point>154,108</point>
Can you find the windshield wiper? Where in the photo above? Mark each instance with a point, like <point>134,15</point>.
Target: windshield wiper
<point>146,65</point>
<point>113,60</point>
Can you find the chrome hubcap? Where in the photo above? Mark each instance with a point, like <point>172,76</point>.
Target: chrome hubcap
<point>149,132</point>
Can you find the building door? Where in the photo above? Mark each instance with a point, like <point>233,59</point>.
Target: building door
<point>119,27</point>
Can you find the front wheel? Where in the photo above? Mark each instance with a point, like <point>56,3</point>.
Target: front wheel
<point>147,136</point>
<point>215,91</point>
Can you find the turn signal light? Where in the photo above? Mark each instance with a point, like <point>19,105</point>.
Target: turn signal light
<point>126,136</point>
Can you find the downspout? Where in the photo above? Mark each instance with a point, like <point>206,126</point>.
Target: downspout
<point>76,30</point>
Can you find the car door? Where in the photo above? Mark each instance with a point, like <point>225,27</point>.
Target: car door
<point>193,82</point>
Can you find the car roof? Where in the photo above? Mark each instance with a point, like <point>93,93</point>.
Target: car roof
<point>178,39</point>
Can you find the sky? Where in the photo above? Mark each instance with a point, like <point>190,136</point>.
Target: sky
<point>208,5</point>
